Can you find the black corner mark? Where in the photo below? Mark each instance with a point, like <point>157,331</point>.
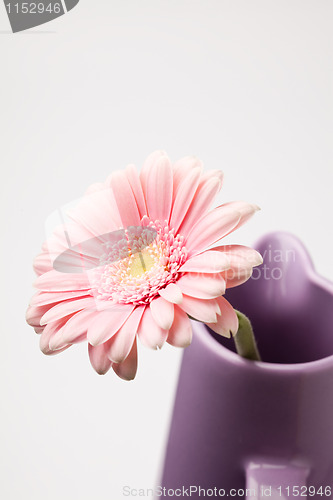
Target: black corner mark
<point>28,14</point>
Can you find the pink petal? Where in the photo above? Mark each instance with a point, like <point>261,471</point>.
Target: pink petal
<point>107,323</point>
<point>210,261</point>
<point>172,293</point>
<point>212,174</point>
<point>50,352</point>
<point>202,310</point>
<point>181,169</point>
<point>97,212</point>
<point>77,325</point>
<point>234,277</point>
<point>125,199</point>
<point>35,313</point>
<point>247,210</point>
<point>242,259</point>
<point>159,190</point>
<point>66,308</point>
<point>150,334</point>
<point>99,359</point>
<point>162,312</point>
<point>59,240</point>
<point>246,255</point>
<point>211,228</point>
<point>121,343</point>
<point>65,236</point>
<point>202,286</point>
<point>73,260</point>
<point>74,237</point>
<point>180,334</point>
<point>202,200</point>
<point>133,179</point>
<point>127,369</point>
<point>227,322</point>
<point>149,163</point>
<point>53,281</point>
<point>44,298</point>
<point>42,263</point>
<point>183,199</point>
<point>48,333</point>
<point>56,342</point>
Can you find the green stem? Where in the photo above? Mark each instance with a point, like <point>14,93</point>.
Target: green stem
<point>244,339</point>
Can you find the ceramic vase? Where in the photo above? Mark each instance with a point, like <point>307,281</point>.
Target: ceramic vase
<point>248,429</point>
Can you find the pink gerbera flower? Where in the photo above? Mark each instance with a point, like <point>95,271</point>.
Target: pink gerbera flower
<point>133,261</point>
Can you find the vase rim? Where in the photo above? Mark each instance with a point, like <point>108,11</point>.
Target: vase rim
<point>201,330</point>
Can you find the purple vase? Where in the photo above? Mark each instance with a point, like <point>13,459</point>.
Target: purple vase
<point>260,429</point>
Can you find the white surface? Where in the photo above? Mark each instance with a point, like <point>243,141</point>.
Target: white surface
<point>245,86</point>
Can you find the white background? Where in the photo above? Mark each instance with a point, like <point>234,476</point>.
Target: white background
<point>244,85</point>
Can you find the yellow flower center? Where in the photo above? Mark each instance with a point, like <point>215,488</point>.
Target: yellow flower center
<point>141,263</point>
<point>134,269</point>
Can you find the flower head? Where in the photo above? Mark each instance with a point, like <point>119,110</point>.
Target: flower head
<point>135,261</point>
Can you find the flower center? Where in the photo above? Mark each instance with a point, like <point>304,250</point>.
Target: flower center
<point>142,262</point>
<point>133,269</point>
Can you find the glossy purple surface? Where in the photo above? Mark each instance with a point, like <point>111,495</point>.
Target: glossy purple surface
<point>230,413</point>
